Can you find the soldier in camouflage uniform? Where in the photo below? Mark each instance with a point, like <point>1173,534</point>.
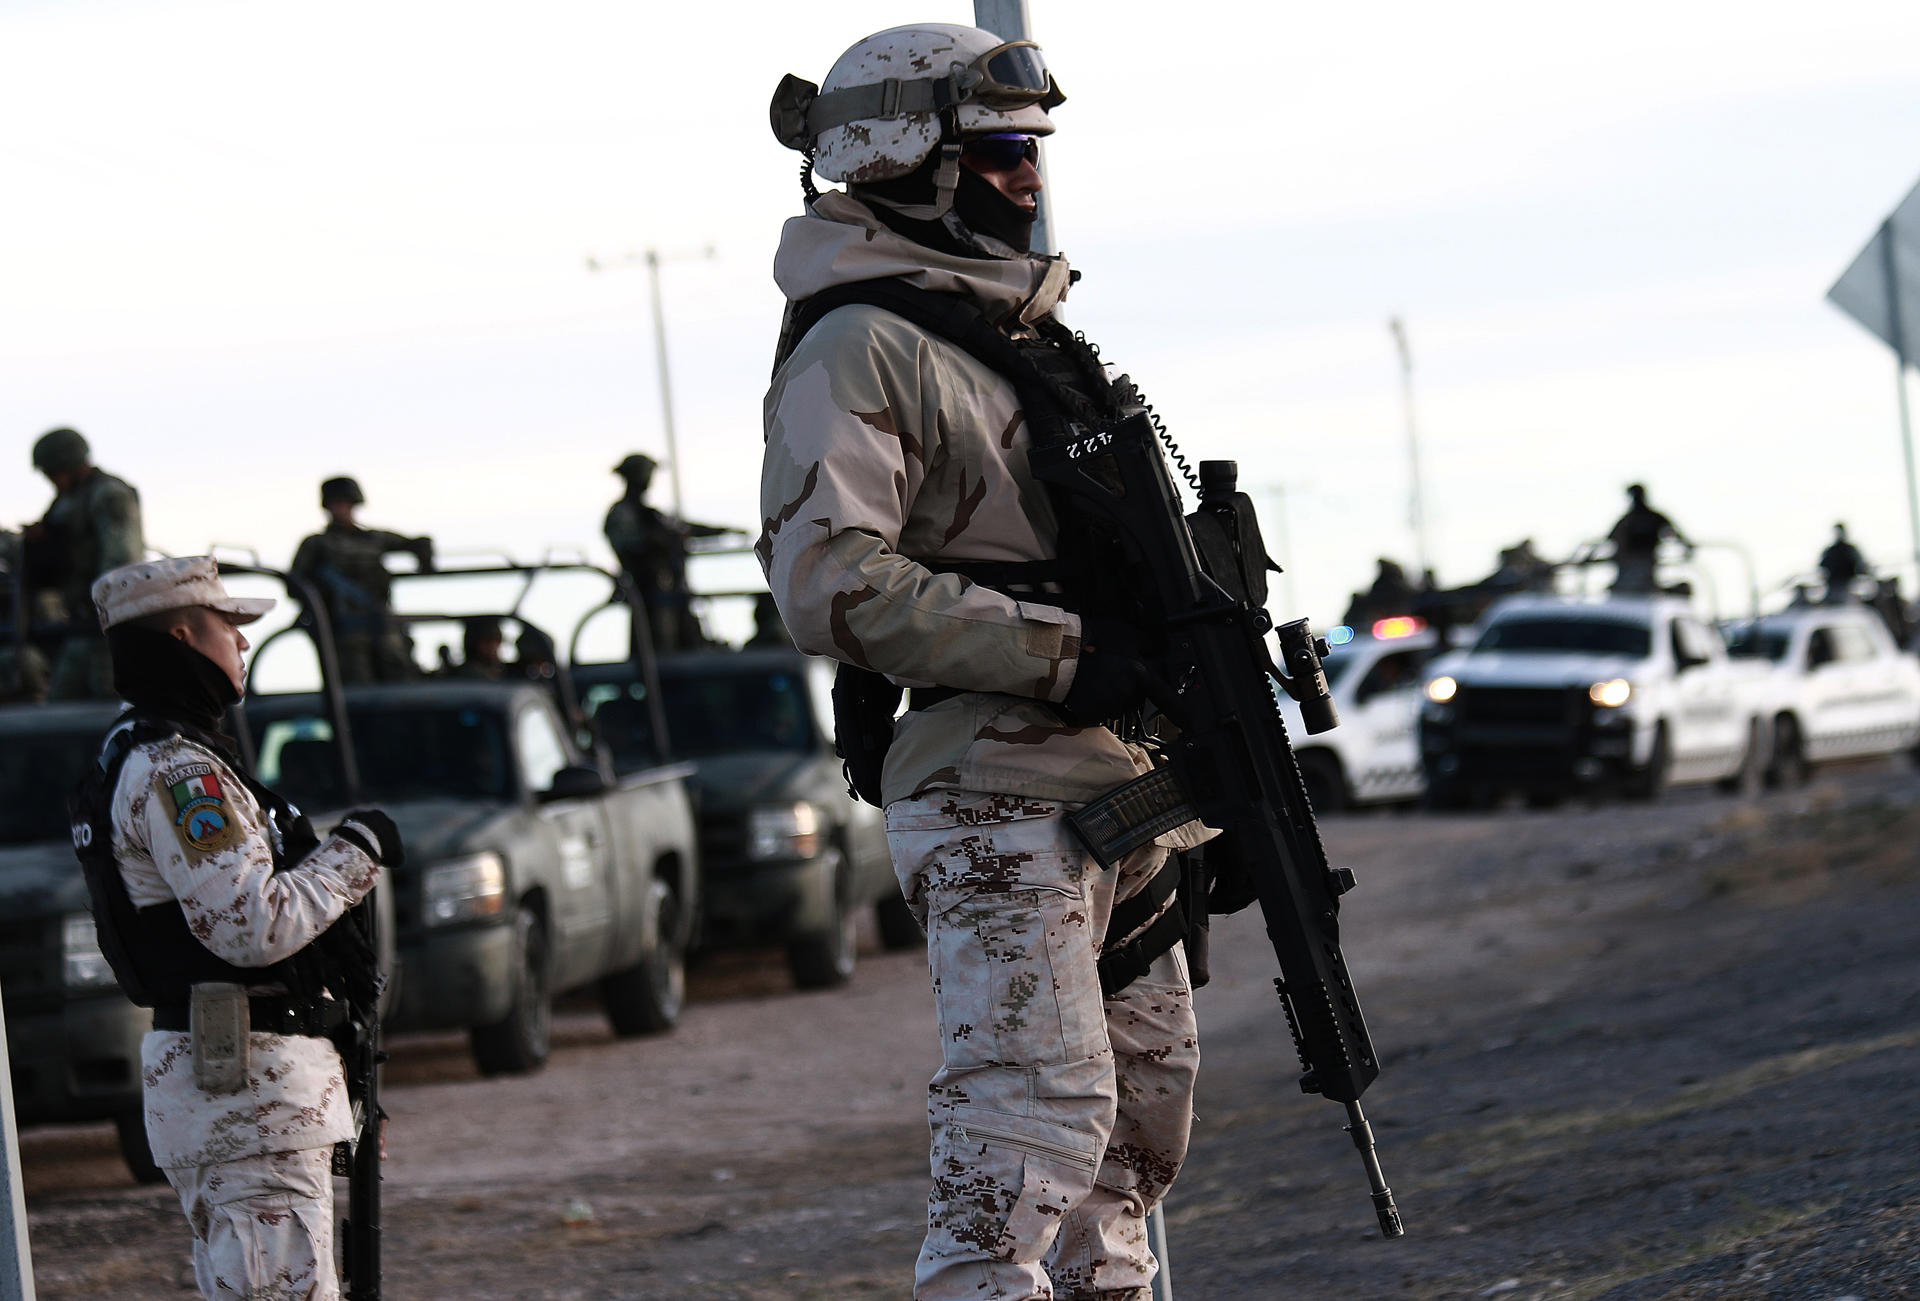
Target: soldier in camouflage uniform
<point>1059,1117</point>
<point>92,526</point>
<point>212,876</point>
<point>652,548</point>
<point>344,564</point>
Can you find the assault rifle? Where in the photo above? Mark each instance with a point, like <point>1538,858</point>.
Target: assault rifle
<point>358,1159</point>
<point>1202,580</point>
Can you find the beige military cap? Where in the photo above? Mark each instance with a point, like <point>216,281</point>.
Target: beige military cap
<point>153,586</point>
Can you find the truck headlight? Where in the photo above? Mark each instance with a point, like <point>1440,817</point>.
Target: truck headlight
<point>464,889</point>
<point>84,965</point>
<point>1611,694</point>
<point>1442,689</point>
<point>783,831</point>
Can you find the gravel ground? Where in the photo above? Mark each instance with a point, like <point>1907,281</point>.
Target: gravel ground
<point>1631,1053</point>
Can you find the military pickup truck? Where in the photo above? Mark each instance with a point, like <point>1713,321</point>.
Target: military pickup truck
<point>531,867</point>
<point>1373,756</point>
<point>73,1039</point>
<point>788,855</point>
<point>1559,694</point>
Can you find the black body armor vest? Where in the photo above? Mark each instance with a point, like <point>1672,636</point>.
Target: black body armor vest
<point>151,950</point>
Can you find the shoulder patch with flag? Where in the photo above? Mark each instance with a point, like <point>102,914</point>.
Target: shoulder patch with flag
<point>201,813</point>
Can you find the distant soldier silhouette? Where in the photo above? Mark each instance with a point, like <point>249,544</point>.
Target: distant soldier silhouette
<point>1636,542</point>
<point>1841,562</point>
<point>1390,594</point>
<point>92,526</point>
<point>344,564</point>
<point>652,548</point>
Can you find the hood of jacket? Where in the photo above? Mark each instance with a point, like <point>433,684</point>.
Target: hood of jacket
<point>839,240</point>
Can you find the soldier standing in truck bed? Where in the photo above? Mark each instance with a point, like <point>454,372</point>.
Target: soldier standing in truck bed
<point>344,565</point>
<point>92,526</point>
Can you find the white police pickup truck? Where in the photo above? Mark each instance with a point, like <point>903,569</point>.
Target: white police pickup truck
<point>1559,694</point>
<point>1840,687</point>
<point>1373,757</point>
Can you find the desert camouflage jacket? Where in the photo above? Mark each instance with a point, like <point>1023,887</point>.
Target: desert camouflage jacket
<point>888,448</point>
<point>186,828</point>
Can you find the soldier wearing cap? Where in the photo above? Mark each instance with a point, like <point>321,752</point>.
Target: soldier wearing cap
<point>652,549</point>
<point>92,526</point>
<point>200,877</point>
<point>344,564</point>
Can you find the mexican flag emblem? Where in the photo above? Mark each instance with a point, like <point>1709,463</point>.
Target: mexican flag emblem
<point>201,814</point>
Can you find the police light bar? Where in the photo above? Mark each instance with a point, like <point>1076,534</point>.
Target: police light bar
<point>1400,625</point>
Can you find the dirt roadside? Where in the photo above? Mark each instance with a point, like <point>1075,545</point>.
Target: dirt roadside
<point>1630,1053</point>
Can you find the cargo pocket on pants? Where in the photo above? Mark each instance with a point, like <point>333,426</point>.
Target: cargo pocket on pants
<point>1007,1180</point>
<point>1015,981</point>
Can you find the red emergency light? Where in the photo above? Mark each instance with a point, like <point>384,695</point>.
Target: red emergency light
<point>1400,625</point>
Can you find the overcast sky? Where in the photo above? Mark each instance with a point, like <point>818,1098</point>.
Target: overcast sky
<point>244,247</point>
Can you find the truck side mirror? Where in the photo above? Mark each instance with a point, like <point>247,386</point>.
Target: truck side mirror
<point>579,782</point>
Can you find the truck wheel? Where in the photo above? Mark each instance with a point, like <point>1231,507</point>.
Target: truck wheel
<point>1747,779</point>
<point>826,959</point>
<point>1789,764</point>
<point>519,1041</point>
<point>131,1126</point>
<point>1650,783</point>
<point>647,997</point>
<point>1326,790</point>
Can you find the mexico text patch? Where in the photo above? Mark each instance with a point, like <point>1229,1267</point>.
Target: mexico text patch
<point>201,813</point>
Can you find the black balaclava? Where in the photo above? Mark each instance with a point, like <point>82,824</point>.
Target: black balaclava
<point>982,223</point>
<point>159,673</point>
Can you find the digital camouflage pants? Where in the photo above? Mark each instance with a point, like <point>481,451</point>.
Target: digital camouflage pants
<point>1059,1117</point>
<point>262,1226</point>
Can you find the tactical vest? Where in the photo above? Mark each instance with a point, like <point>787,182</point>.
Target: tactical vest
<point>151,950</point>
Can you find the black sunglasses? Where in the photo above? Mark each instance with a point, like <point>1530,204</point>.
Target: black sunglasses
<point>1002,152</point>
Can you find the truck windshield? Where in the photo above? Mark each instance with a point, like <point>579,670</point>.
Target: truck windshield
<point>722,713</point>
<point>38,772</point>
<point>1756,643</point>
<point>403,754</point>
<point>1582,636</point>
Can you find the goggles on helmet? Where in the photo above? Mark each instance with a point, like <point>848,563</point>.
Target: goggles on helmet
<point>1008,76</point>
<point>1002,151</point>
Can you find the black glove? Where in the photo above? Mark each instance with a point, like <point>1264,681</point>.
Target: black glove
<point>1110,678</point>
<point>374,832</point>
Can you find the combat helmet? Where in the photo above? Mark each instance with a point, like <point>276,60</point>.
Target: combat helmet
<point>61,449</point>
<point>894,98</point>
<point>636,465</point>
<point>341,488</point>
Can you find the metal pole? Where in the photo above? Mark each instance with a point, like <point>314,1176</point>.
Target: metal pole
<point>1896,330</point>
<point>1157,1242</point>
<point>1416,506</point>
<point>666,387</point>
<point>1008,19</point>
<point>16,1259</point>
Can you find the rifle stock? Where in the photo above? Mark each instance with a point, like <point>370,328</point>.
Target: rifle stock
<point>360,1234</point>
<point>1231,761</point>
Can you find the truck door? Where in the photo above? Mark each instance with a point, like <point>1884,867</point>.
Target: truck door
<point>1827,693</point>
<point>1386,714</point>
<point>1707,732</point>
<point>582,904</point>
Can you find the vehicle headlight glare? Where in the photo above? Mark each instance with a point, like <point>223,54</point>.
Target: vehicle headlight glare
<point>464,889</point>
<point>783,831</point>
<point>1611,694</point>
<point>1442,689</point>
<point>85,966</point>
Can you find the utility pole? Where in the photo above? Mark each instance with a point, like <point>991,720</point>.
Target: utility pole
<point>1416,505</point>
<point>1008,19</point>
<point>653,258</point>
